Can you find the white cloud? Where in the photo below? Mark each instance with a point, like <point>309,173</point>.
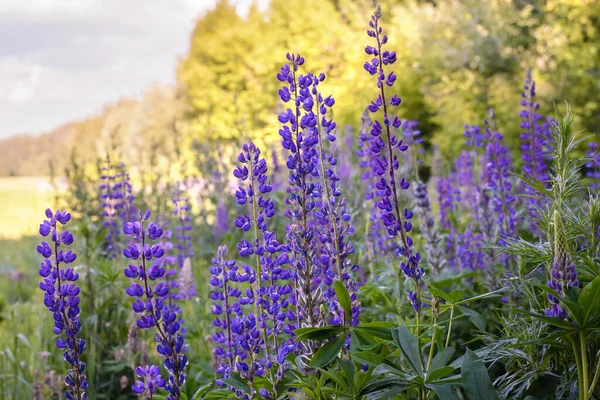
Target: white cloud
<point>62,60</point>
<point>19,79</point>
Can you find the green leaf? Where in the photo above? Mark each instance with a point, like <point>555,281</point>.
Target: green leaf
<point>589,299</point>
<point>349,370</point>
<point>374,360</point>
<point>440,293</point>
<point>381,330</point>
<point>328,352</point>
<point>439,373</point>
<point>323,333</point>
<point>442,358</point>
<point>202,390</point>
<point>237,382</point>
<point>408,344</point>
<point>475,379</point>
<point>456,295</point>
<point>444,392</point>
<point>476,318</point>
<point>344,299</point>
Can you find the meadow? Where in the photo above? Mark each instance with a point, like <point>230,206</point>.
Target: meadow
<point>336,262</point>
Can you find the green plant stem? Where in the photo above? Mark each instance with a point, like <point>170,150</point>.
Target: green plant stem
<point>431,346</point>
<point>584,364</point>
<point>582,396</point>
<point>450,325</point>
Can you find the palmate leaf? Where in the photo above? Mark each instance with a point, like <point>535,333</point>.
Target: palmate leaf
<point>375,360</point>
<point>406,341</point>
<point>473,316</point>
<point>441,358</point>
<point>444,392</point>
<point>475,379</point>
<point>439,373</point>
<point>380,329</point>
<point>328,351</point>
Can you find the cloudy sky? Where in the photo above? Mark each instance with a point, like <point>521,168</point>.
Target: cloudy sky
<point>62,60</point>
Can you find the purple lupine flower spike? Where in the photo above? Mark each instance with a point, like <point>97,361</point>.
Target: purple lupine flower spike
<point>534,143</point>
<point>385,145</point>
<point>563,273</point>
<point>498,180</point>
<point>61,297</point>
<point>299,138</point>
<point>225,307</point>
<point>109,203</point>
<point>332,217</point>
<point>183,241</point>
<point>150,295</point>
<point>273,288</point>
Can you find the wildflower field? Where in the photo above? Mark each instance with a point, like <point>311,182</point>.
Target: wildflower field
<point>330,263</point>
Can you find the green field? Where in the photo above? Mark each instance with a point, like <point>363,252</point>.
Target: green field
<point>22,204</point>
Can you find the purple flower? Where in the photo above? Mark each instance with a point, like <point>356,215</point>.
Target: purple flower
<point>534,144</point>
<point>498,180</point>
<point>150,297</point>
<point>150,380</point>
<point>273,285</point>
<point>61,297</point>
<point>385,145</point>
<point>300,137</point>
<point>332,217</point>
<point>117,203</point>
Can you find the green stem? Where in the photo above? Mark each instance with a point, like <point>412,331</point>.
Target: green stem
<point>584,364</point>
<point>432,345</point>
<point>582,396</point>
<point>450,325</point>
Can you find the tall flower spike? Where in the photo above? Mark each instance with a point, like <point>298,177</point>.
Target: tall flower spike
<point>61,297</point>
<point>563,273</point>
<point>497,177</point>
<point>150,296</point>
<point>385,144</point>
<point>534,143</point>
<point>225,307</point>
<point>333,219</point>
<point>433,239</point>
<point>183,240</point>
<point>272,283</point>
<point>299,138</point>
<point>109,203</point>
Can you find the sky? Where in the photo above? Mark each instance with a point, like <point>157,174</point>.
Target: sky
<point>63,60</point>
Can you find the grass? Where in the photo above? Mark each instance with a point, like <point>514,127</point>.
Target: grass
<point>22,204</point>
